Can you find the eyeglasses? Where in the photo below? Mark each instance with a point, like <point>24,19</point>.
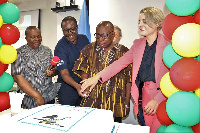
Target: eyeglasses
<point>104,36</point>
<point>69,30</point>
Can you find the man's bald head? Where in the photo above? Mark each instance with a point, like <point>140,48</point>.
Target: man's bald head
<point>105,35</point>
<point>106,24</point>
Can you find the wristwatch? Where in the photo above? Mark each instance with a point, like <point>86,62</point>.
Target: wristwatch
<point>127,106</point>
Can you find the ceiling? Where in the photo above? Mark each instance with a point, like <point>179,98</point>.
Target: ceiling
<point>17,2</point>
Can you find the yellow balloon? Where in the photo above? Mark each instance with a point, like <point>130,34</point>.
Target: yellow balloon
<point>197,92</point>
<point>167,86</point>
<point>8,54</point>
<point>1,21</point>
<point>186,40</point>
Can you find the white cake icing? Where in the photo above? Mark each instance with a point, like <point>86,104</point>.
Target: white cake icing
<point>60,119</point>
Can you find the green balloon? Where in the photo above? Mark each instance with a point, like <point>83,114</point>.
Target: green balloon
<point>161,129</point>
<point>170,56</point>
<point>183,108</point>
<point>6,82</point>
<point>1,42</point>
<point>197,58</point>
<point>9,12</point>
<point>174,128</point>
<point>183,7</point>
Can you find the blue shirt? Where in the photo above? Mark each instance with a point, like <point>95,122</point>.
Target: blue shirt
<point>68,53</point>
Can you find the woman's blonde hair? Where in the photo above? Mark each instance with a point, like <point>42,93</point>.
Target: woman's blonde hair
<point>154,15</point>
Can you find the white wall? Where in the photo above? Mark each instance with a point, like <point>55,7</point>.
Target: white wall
<point>48,25</point>
<point>123,13</point>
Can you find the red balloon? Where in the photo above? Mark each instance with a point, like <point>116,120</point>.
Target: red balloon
<point>172,22</point>
<point>1,68</point>
<point>3,1</point>
<point>196,128</point>
<point>162,114</point>
<point>197,17</point>
<point>5,67</point>
<point>4,101</point>
<point>185,74</point>
<point>9,34</point>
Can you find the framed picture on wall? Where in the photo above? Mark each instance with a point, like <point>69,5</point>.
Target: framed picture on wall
<point>27,18</point>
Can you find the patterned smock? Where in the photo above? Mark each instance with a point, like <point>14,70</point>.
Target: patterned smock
<point>32,64</point>
<point>110,95</point>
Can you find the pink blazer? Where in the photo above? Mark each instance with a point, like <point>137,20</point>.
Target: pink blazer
<point>134,55</point>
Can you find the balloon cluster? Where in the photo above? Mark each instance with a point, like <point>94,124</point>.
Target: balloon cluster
<point>181,85</point>
<point>9,34</point>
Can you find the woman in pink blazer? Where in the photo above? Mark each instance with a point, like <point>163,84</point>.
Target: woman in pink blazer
<point>148,68</point>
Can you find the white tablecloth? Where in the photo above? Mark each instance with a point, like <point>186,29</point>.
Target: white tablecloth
<point>5,116</point>
<point>129,128</point>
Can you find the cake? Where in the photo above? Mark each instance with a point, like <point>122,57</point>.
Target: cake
<point>56,118</point>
